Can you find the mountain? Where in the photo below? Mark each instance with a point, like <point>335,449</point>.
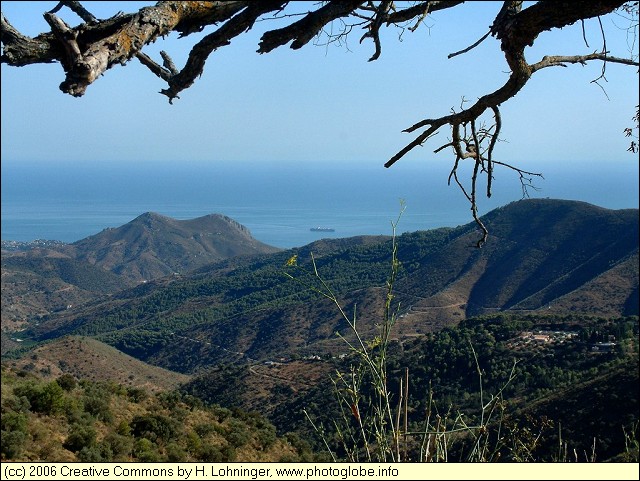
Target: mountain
<point>542,257</point>
<point>152,245</point>
<point>43,277</point>
<point>561,256</point>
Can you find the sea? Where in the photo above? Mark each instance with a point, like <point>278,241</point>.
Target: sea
<point>280,202</point>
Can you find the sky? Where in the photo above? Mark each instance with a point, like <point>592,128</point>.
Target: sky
<point>322,103</point>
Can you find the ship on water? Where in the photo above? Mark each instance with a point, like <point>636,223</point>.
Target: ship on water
<point>322,229</point>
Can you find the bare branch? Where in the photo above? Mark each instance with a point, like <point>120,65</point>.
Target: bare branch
<point>374,27</point>
<point>562,60</point>
<point>78,9</point>
<point>302,31</point>
<point>604,64</point>
<point>67,37</point>
<point>20,50</point>
<point>158,70</point>
<point>420,10</point>
<point>238,24</point>
<point>168,63</point>
<point>515,82</point>
<point>494,140</point>
<point>584,33</point>
<point>516,29</point>
<point>470,47</point>
<point>112,41</point>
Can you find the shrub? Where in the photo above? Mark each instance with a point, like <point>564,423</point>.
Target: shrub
<point>99,407</point>
<point>121,446</point>
<point>12,443</point>
<point>123,428</point>
<point>67,382</point>
<point>214,454</point>
<point>146,451</point>
<point>80,436</point>
<point>193,443</point>
<point>267,436</point>
<point>175,454</point>
<point>204,429</point>
<point>13,421</point>
<point>137,394</point>
<point>18,404</point>
<point>210,454</point>
<point>155,427</point>
<point>238,434</point>
<point>94,454</point>
<point>45,399</point>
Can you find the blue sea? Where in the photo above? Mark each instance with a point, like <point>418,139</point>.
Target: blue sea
<point>278,203</point>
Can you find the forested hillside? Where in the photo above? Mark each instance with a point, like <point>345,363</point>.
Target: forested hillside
<point>69,420</point>
<point>566,376</point>
<point>543,253</point>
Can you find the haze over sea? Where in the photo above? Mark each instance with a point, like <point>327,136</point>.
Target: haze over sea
<point>279,203</point>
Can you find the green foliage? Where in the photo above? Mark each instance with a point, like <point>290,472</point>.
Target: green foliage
<point>302,447</point>
<point>67,382</point>
<point>238,434</point>
<point>120,445</point>
<point>211,454</point>
<point>17,403</point>
<point>204,429</point>
<point>43,398</point>
<point>631,453</point>
<point>183,323</point>
<point>477,367</point>
<point>376,421</point>
<point>14,421</point>
<point>95,453</point>
<point>155,427</point>
<point>193,443</point>
<point>81,274</point>
<point>14,433</point>
<point>444,380</point>
<point>12,443</point>
<point>175,453</point>
<point>137,394</point>
<point>97,404</point>
<point>146,451</point>
<point>80,436</point>
<point>364,426</point>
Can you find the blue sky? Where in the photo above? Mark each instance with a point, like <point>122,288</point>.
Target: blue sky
<point>321,104</point>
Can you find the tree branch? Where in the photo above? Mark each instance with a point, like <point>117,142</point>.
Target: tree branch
<point>308,27</point>
<point>470,47</point>
<point>420,10</point>
<point>374,27</point>
<point>76,7</point>
<point>515,82</point>
<point>67,37</point>
<point>562,60</point>
<point>19,50</point>
<point>109,42</point>
<point>157,69</point>
<point>199,54</point>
